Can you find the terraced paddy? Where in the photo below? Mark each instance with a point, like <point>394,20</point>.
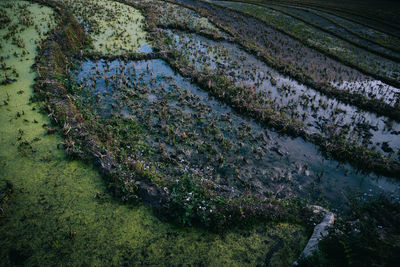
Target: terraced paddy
<point>282,16</point>
<point>172,131</point>
<point>55,210</point>
<point>181,131</point>
<point>363,60</point>
<point>282,93</point>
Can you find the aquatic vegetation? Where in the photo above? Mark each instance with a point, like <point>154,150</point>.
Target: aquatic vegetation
<point>113,28</point>
<point>280,93</point>
<point>306,65</point>
<point>60,211</point>
<point>170,130</point>
<point>11,39</point>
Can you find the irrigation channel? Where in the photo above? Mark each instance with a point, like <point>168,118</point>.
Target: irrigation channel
<point>170,107</point>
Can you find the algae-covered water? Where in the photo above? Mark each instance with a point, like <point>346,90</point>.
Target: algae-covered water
<point>114,28</point>
<point>60,212</point>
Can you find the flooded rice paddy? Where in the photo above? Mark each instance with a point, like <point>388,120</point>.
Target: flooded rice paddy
<point>328,23</point>
<point>60,211</point>
<point>324,40</point>
<point>372,34</point>
<point>186,132</point>
<point>367,86</point>
<point>283,94</point>
<point>175,16</point>
<point>54,209</point>
<point>291,53</point>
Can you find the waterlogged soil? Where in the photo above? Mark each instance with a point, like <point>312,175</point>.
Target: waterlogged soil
<point>174,129</point>
<point>318,112</point>
<point>56,211</point>
<point>114,28</point>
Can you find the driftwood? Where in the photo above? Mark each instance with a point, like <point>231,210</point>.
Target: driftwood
<point>320,231</point>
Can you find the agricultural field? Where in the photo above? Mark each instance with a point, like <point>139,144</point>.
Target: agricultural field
<point>199,133</point>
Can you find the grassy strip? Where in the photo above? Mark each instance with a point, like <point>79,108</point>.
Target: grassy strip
<point>184,28</point>
<point>126,57</point>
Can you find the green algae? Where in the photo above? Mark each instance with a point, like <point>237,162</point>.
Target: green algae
<point>11,57</point>
<point>114,28</point>
<point>61,213</point>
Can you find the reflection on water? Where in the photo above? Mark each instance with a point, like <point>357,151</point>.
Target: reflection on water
<point>271,164</point>
<point>286,95</point>
<point>145,48</point>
